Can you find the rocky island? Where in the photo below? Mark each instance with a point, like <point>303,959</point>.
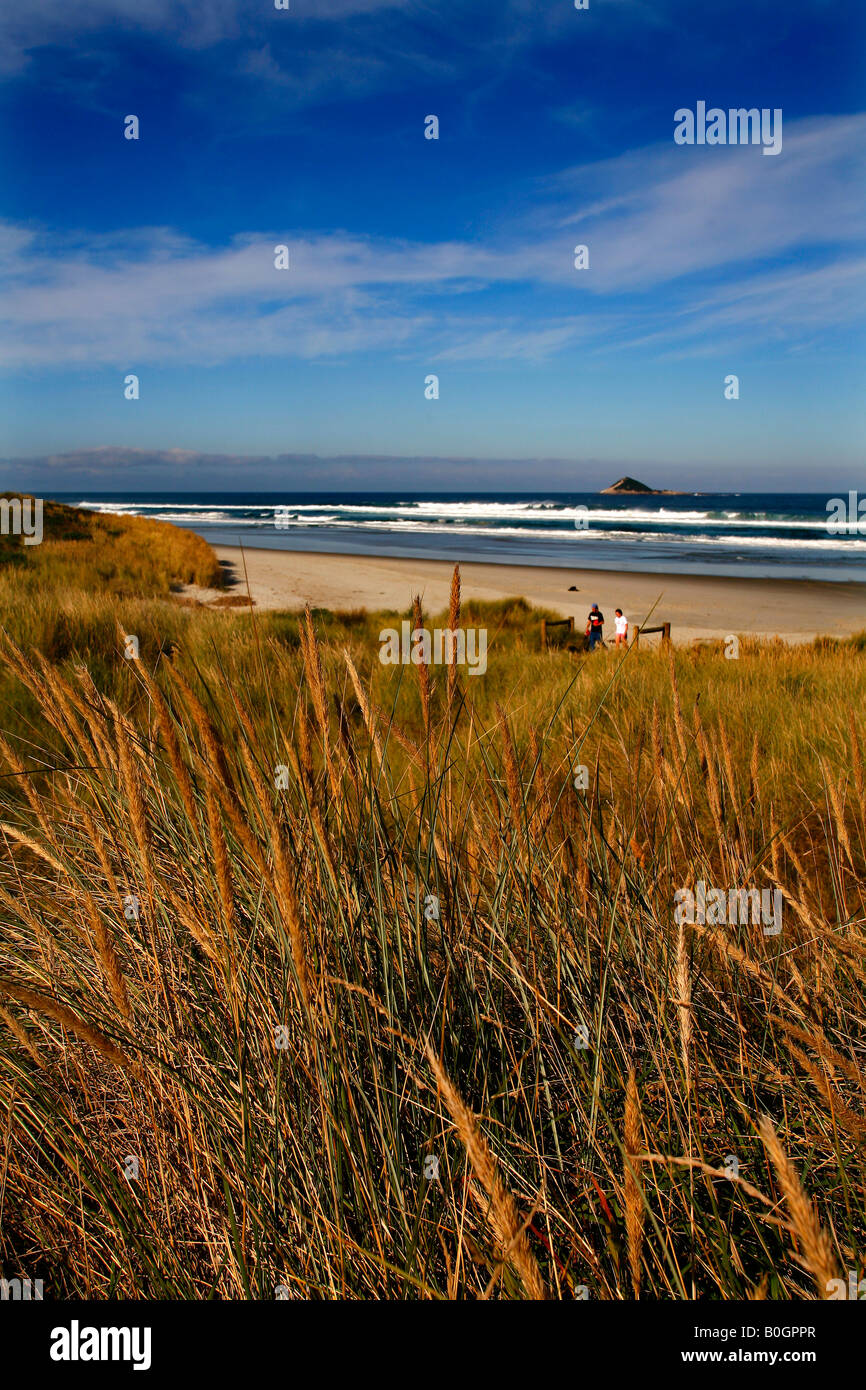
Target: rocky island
<point>631,485</point>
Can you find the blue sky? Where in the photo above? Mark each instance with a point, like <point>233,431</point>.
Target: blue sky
<point>411,256</point>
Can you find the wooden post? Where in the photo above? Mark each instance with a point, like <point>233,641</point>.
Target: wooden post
<point>635,636</point>
<point>571,624</point>
<point>544,634</point>
<point>666,633</point>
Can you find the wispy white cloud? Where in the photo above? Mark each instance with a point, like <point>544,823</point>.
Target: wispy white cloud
<point>653,215</point>
<point>787,307</point>
<point>251,25</point>
<point>682,242</point>
<point>467,29</point>
<point>191,23</point>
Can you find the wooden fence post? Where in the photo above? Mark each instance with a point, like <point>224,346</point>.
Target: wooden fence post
<point>666,633</point>
<point>635,637</point>
<point>544,634</point>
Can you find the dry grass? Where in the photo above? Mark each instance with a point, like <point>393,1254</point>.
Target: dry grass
<point>286,1028</point>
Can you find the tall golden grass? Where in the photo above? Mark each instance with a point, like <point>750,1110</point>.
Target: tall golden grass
<point>391,957</point>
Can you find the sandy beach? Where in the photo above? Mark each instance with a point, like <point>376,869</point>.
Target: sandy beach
<point>695,606</point>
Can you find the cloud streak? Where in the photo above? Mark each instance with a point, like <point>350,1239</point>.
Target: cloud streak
<point>142,471</point>
<point>196,25</point>
<point>681,242</point>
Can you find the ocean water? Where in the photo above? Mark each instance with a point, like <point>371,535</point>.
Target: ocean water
<point>782,535</point>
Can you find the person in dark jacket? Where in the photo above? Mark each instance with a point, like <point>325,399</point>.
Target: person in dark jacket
<point>595,627</point>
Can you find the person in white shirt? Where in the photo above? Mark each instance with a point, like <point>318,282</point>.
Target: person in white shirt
<point>621,625</point>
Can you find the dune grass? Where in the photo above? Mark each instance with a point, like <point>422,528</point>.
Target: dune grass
<point>85,552</point>
<point>377,1004</point>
